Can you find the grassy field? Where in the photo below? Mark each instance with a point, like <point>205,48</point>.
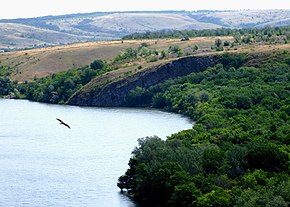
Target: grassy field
<point>42,62</point>
<point>28,64</point>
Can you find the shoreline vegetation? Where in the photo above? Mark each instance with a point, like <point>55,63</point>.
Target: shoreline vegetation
<point>238,151</point>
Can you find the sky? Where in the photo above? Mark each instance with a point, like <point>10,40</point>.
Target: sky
<point>34,8</point>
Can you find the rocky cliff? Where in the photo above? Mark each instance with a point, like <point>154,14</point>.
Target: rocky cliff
<point>115,93</point>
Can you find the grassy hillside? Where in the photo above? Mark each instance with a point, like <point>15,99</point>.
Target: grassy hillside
<point>27,64</point>
<point>142,66</point>
<point>246,18</point>
<point>15,35</point>
<point>33,32</point>
<point>130,64</point>
<point>112,88</point>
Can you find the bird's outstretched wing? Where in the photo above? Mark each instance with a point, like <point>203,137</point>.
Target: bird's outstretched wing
<point>61,122</point>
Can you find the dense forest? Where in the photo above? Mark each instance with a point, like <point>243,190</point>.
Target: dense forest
<point>238,151</point>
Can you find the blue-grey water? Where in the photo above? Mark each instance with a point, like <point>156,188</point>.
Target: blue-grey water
<point>44,164</point>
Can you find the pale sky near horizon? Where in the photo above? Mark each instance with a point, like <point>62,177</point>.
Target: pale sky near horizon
<point>34,8</point>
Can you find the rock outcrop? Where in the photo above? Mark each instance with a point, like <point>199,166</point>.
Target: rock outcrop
<point>115,93</point>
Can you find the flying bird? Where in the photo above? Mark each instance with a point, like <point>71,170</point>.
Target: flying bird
<point>61,122</point>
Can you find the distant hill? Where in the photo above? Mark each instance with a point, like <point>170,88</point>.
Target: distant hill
<point>21,36</point>
<point>65,29</point>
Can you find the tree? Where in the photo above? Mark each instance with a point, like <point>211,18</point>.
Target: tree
<point>185,195</point>
<point>226,43</point>
<point>185,38</point>
<point>195,48</point>
<point>218,43</point>
<point>174,49</point>
<point>97,64</point>
<point>163,54</point>
<point>123,182</point>
<point>266,156</point>
<point>218,197</point>
<point>212,159</point>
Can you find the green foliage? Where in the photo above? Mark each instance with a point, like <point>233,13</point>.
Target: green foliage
<point>236,154</point>
<point>128,54</point>
<point>137,96</point>
<point>164,54</point>
<point>141,52</point>
<point>174,49</point>
<point>226,43</point>
<point>218,197</point>
<point>8,88</point>
<point>241,36</point>
<point>186,38</point>
<point>152,59</point>
<point>219,49</point>
<point>212,159</point>
<point>5,71</point>
<point>218,43</point>
<point>185,195</point>
<point>233,60</point>
<point>98,65</point>
<point>155,166</point>
<point>144,44</point>
<point>58,88</point>
<point>195,48</point>
<point>267,157</point>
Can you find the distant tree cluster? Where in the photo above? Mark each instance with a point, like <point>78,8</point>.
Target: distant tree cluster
<point>130,53</point>
<point>98,64</point>
<point>7,87</point>
<point>151,55</point>
<point>184,34</point>
<point>56,88</point>
<point>246,35</point>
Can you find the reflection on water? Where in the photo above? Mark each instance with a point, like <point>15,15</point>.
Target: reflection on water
<point>46,164</point>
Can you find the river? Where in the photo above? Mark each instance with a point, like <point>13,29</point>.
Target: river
<point>45,164</point>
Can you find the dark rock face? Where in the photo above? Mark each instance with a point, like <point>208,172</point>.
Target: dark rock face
<point>115,93</point>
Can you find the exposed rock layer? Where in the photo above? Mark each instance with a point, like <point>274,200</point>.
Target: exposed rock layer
<point>115,93</point>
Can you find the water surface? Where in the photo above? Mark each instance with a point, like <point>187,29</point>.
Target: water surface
<point>43,163</point>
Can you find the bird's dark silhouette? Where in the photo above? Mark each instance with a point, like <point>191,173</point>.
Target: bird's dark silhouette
<point>61,122</point>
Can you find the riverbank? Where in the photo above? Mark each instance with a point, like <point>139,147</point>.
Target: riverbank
<point>235,153</point>
<point>46,164</point>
